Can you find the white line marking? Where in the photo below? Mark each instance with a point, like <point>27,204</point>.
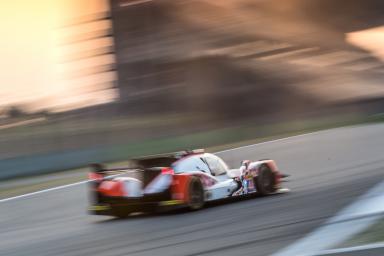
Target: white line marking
<point>237,148</point>
<point>43,191</point>
<point>276,140</point>
<point>353,219</point>
<point>352,249</point>
<point>52,189</point>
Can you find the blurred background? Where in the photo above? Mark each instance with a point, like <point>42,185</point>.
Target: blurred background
<point>98,81</point>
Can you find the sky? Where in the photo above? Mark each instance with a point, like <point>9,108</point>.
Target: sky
<point>371,40</point>
<point>32,53</point>
<point>26,49</point>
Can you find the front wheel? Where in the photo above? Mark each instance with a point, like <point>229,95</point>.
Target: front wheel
<point>195,194</point>
<point>265,181</point>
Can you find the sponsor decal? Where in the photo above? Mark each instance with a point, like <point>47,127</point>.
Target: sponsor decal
<point>99,207</point>
<point>170,202</point>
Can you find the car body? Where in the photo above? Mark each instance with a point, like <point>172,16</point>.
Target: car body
<point>181,179</point>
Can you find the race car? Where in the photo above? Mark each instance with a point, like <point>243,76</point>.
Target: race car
<point>185,179</point>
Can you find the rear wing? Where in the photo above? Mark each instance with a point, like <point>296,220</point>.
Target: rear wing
<point>161,161</point>
<point>99,171</point>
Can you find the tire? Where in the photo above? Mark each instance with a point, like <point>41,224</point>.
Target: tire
<point>265,181</point>
<point>195,194</point>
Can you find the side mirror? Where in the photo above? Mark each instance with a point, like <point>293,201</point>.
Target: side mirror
<point>245,163</point>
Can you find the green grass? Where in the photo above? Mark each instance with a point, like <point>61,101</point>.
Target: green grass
<point>373,234</point>
<point>220,139</point>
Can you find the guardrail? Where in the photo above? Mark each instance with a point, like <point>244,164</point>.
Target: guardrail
<point>52,162</point>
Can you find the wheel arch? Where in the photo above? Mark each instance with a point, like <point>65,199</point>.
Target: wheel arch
<point>180,186</point>
<point>271,164</point>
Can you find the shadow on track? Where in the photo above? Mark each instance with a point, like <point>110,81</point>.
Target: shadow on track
<point>186,211</point>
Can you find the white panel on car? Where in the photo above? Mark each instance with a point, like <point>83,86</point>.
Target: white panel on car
<point>159,184</point>
<point>132,187</point>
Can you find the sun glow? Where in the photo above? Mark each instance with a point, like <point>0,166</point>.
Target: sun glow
<point>31,50</point>
<point>371,40</point>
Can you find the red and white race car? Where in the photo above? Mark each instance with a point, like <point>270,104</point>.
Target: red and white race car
<point>181,179</point>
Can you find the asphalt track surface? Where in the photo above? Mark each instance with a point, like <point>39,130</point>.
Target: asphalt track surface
<point>329,170</point>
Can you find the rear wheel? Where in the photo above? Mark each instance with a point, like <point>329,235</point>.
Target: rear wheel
<point>265,181</point>
<point>196,194</point>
